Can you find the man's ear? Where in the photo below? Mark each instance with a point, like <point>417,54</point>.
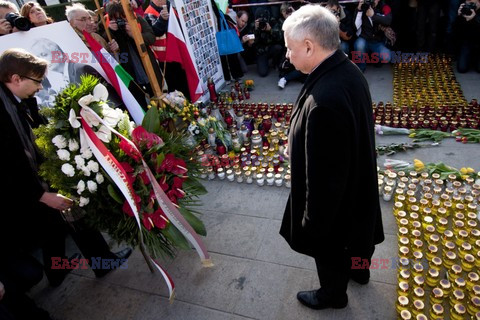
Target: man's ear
<point>309,47</point>
<point>15,78</point>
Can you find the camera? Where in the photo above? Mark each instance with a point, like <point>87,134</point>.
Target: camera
<point>121,24</point>
<point>262,23</point>
<point>468,8</point>
<point>367,4</point>
<point>17,21</point>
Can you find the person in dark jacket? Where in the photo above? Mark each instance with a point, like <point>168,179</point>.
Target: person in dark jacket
<point>371,19</point>
<point>122,33</point>
<point>333,211</point>
<point>36,221</point>
<point>467,28</point>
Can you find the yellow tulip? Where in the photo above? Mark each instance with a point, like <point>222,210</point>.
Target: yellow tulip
<point>464,177</point>
<point>411,135</point>
<point>470,170</point>
<point>463,171</point>
<point>418,165</point>
<point>153,103</point>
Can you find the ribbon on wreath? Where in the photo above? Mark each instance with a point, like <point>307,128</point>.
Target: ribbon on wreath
<point>118,174</point>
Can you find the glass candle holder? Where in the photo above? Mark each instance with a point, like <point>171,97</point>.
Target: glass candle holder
<point>387,193</point>
<point>230,175</point>
<point>437,296</point>
<point>270,179</point>
<point>221,173</point>
<point>248,177</point>
<point>239,176</point>
<point>278,180</point>
<point>260,180</point>
<point>210,173</point>
<point>288,182</point>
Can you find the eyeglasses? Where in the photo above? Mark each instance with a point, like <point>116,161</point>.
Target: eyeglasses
<point>36,80</point>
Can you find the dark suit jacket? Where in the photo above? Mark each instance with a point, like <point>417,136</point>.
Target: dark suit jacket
<point>22,186</point>
<point>334,195</point>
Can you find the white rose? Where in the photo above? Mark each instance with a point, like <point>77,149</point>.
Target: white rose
<point>92,166</point>
<point>87,153</point>
<point>73,145</point>
<point>68,169</point>
<point>86,171</point>
<point>80,161</point>
<point>99,178</point>
<point>80,186</point>
<point>83,201</point>
<point>59,141</point>
<point>92,186</point>
<point>63,154</point>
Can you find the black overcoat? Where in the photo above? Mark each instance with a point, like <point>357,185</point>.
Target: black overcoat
<point>334,194</point>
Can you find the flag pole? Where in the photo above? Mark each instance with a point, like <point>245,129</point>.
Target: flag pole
<point>141,48</point>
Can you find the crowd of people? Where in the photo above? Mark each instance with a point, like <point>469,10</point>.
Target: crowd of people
<point>369,31</point>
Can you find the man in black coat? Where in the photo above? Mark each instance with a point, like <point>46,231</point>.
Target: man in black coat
<point>35,221</point>
<point>333,212</point>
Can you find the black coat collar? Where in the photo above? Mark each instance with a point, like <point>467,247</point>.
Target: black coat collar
<point>331,62</point>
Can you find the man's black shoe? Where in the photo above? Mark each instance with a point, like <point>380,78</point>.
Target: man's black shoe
<point>56,277</point>
<point>318,300</point>
<point>122,255</point>
<point>360,276</point>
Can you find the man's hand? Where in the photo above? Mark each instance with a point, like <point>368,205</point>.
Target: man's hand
<point>5,27</point>
<point>164,13</point>
<point>128,29</point>
<point>113,45</point>
<point>370,12</point>
<point>113,25</point>
<point>56,201</point>
<point>470,17</point>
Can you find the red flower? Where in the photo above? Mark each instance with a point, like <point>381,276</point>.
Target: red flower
<point>168,163</point>
<point>126,207</point>
<point>163,183</point>
<point>129,170</point>
<point>144,177</point>
<point>172,196</point>
<point>176,188</point>
<point>129,150</point>
<point>158,219</point>
<point>142,138</point>
<point>180,167</point>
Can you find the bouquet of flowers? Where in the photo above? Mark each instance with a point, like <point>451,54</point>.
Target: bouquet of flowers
<point>73,171</point>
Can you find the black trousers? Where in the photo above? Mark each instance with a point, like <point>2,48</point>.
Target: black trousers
<point>175,77</point>
<point>231,67</point>
<point>334,268</point>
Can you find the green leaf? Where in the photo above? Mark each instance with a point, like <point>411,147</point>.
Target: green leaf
<point>160,159</point>
<point>196,223</point>
<point>176,237</point>
<point>114,194</point>
<point>195,185</point>
<point>151,121</point>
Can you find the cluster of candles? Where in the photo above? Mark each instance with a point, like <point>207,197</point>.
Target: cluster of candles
<point>427,84</point>
<point>439,244</point>
<point>445,118</point>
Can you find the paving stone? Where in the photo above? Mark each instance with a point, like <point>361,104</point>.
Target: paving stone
<point>218,287</point>
<point>270,293</point>
<point>156,307</point>
<point>374,301</point>
<point>276,250</point>
<point>233,234</point>
<point>387,251</point>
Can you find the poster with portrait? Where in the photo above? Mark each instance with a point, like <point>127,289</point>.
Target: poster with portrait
<point>196,20</point>
<point>67,55</point>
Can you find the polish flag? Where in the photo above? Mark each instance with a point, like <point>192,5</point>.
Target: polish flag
<point>177,51</point>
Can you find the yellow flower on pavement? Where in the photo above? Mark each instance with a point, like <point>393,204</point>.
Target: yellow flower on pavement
<point>411,135</point>
<point>463,171</point>
<point>464,177</point>
<point>470,170</point>
<point>418,165</point>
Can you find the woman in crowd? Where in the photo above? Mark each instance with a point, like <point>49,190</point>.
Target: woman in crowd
<point>35,13</point>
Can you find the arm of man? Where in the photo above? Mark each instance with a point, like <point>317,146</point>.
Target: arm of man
<point>147,31</point>
<point>159,24</point>
<point>328,152</point>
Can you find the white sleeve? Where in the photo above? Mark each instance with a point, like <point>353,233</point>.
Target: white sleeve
<point>358,23</point>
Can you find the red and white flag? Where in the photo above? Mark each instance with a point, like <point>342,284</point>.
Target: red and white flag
<point>177,51</point>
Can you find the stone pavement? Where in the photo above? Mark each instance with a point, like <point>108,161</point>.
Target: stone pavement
<point>256,275</point>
